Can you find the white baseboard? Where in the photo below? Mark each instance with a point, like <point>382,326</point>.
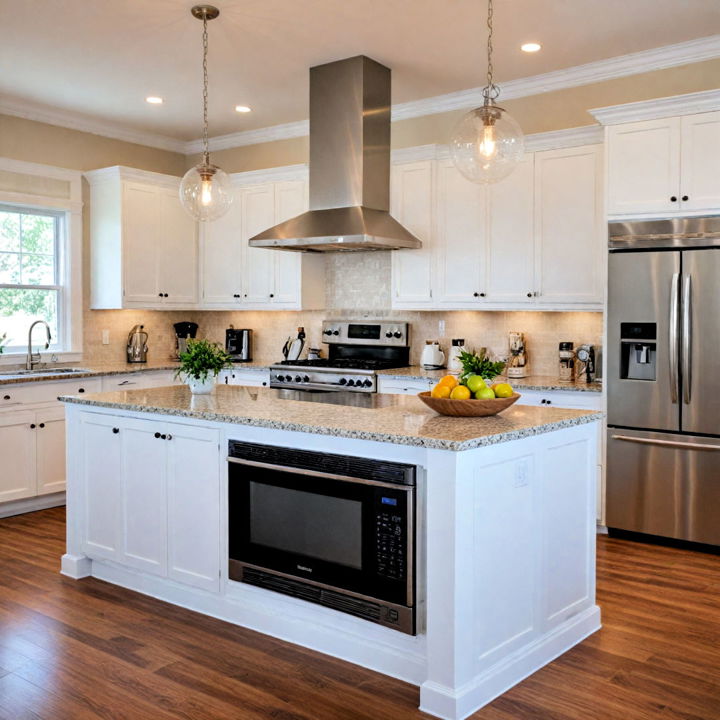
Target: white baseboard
<point>76,566</point>
<point>41,502</point>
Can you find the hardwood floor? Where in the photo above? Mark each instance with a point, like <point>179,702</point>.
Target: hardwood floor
<point>75,650</point>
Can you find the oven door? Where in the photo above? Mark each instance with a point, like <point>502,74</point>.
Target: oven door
<point>330,530</point>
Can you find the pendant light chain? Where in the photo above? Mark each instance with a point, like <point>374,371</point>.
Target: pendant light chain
<point>490,91</point>
<point>206,153</point>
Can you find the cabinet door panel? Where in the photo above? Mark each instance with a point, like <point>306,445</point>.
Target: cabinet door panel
<point>569,225</point>
<point>510,265</point>
<point>50,452</point>
<point>194,506</point>
<point>290,201</point>
<point>102,480</point>
<point>258,213</point>
<point>144,458</point>
<point>17,455</point>
<point>411,204</point>
<point>221,242</point>
<point>141,235</point>
<point>699,176</point>
<point>643,167</point>
<point>461,236</point>
<point>177,264</point>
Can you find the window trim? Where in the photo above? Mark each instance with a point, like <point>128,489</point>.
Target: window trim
<point>69,260</point>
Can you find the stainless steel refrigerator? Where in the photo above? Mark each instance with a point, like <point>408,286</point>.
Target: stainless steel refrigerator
<point>663,378</point>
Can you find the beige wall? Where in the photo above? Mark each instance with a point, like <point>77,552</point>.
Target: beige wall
<point>537,113</point>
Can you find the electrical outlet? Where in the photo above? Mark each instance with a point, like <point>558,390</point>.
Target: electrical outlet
<point>105,337</point>
<point>441,328</point>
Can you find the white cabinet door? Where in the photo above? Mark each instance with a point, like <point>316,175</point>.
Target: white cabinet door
<point>511,252</point>
<point>102,439</point>
<point>141,240</point>
<point>643,167</point>
<point>221,243</point>
<point>144,495</point>
<point>461,238</point>
<point>193,505</point>
<point>17,455</point>
<point>258,213</point>
<point>699,176</point>
<point>177,262</point>
<point>411,205</point>
<point>50,450</point>
<point>290,201</point>
<point>569,226</point>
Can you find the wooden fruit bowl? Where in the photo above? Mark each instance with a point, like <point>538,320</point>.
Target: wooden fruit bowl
<point>468,408</point>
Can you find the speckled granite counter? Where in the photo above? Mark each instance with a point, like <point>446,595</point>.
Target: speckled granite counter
<point>95,370</point>
<point>531,382</point>
<point>402,420</point>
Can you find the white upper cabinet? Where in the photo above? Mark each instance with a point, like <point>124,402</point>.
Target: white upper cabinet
<point>569,226</point>
<point>258,214</point>
<point>411,203</point>
<point>664,166</point>
<point>143,244</point>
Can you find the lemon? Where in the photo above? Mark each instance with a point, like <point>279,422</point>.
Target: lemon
<point>503,390</point>
<point>485,393</point>
<point>475,383</point>
<point>440,391</point>
<point>449,380</point>
<point>460,393</point>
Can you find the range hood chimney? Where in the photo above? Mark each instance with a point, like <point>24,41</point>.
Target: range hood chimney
<point>349,166</point>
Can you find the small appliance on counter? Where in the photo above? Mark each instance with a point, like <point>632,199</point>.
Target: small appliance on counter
<point>586,360</point>
<point>457,347</point>
<point>566,356</point>
<point>238,344</point>
<point>517,363</point>
<point>137,348</point>
<point>183,332</point>
<point>293,348</point>
<point>432,356</point>
<point>314,353</point>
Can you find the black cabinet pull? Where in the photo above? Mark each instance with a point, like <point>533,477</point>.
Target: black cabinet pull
<point>157,435</point>
<point>476,294</point>
<point>482,294</point>
<point>116,431</point>
<point>529,294</point>
<point>42,425</point>
<point>159,294</point>
<point>81,390</point>
<point>6,397</point>
<point>685,198</point>
<point>32,427</point>
<point>673,199</point>
<point>164,436</point>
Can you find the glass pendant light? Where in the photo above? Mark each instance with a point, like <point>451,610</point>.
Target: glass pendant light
<point>487,142</point>
<point>205,189</point>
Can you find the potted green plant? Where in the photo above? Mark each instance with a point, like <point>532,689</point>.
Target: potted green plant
<point>201,364</point>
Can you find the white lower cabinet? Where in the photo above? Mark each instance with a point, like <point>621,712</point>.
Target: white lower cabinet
<point>17,450</point>
<point>401,386</point>
<point>153,497</point>
<point>245,376</point>
<point>50,450</point>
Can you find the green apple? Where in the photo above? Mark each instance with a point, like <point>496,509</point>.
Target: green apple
<point>485,393</point>
<point>475,383</point>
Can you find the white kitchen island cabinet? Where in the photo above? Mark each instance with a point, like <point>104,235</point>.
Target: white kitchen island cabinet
<point>504,526</point>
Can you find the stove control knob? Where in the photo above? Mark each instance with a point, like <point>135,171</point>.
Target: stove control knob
<point>388,334</point>
<point>306,379</point>
<point>327,332</point>
<point>351,383</point>
<point>397,334</point>
<point>335,332</point>
<point>298,378</point>
<point>367,383</point>
<point>342,381</point>
<point>279,378</point>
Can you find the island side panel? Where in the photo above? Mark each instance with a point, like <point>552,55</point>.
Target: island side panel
<point>511,564</point>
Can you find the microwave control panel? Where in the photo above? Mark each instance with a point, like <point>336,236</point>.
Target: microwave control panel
<point>390,538</point>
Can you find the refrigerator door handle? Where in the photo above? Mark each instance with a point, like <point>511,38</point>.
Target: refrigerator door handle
<point>685,367</point>
<point>667,443</point>
<point>673,338</point>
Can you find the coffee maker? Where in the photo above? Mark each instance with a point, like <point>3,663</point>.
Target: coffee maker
<point>238,344</point>
<point>183,332</point>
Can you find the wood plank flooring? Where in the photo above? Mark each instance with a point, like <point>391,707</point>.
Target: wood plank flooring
<point>75,650</point>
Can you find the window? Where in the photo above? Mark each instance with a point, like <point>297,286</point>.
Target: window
<point>31,286</point>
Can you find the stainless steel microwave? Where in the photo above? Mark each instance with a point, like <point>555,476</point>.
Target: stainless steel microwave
<point>331,529</point>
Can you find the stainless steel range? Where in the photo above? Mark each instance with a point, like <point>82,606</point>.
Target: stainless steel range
<point>356,351</point>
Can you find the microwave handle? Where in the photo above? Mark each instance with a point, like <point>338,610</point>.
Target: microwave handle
<point>319,474</point>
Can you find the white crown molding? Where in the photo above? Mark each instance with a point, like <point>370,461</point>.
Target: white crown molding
<point>120,172</point>
<point>689,104</point>
<point>74,121</point>
<point>251,137</point>
<point>572,137</point>
<point>276,174</point>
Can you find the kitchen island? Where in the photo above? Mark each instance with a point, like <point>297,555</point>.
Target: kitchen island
<point>504,521</point>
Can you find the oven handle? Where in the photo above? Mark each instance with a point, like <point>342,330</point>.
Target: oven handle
<point>320,474</point>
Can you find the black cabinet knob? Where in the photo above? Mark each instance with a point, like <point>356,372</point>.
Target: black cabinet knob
<point>157,435</point>
<point>116,431</point>
<point>685,198</point>
<point>164,436</point>
<point>42,425</point>
<point>165,295</point>
<point>482,294</point>
<point>6,397</point>
<point>264,384</point>
<point>673,198</point>
<point>32,427</point>
<point>169,437</point>
<point>476,294</point>
<point>159,294</point>
<point>529,294</point>
<point>272,295</point>
<point>81,390</point>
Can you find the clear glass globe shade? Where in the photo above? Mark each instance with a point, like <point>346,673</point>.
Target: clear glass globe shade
<point>205,192</point>
<point>487,144</point>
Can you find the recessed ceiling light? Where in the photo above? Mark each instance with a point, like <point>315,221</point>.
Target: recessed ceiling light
<point>530,47</point>
<point>153,100</point>
<point>242,108</point>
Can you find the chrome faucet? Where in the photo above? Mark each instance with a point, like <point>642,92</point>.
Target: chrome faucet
<point>33,358</point>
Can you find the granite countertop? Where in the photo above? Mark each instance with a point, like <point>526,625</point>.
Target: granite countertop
<point>402,420</point>
<point>531,382</point>
<point>97,370</point>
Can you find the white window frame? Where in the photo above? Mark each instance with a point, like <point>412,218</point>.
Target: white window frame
<point>68,347</point>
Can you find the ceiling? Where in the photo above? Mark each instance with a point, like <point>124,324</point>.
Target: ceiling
<point>101,58</point>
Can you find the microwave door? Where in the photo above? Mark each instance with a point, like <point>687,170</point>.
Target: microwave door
<point>643,348</point>
<point>700,341</point>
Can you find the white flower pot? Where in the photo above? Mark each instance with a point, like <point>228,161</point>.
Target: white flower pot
<point>201,387</point>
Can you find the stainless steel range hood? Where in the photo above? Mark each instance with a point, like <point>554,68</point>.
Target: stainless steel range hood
<point>349,166</point>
